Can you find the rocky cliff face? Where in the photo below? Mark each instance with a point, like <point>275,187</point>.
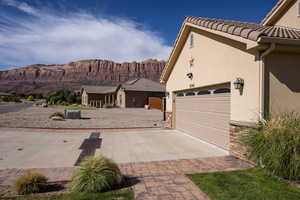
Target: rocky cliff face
<point>48,78</point>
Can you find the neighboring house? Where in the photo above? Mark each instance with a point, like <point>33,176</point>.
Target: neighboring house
<point>97,96</point>
<point>136,93</point>
<point>3,94</point>
<point>226,74</point>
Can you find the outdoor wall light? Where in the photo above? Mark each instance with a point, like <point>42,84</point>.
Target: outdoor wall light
<point>239,84</point>
<point>190,75</point>
<point>167,94</point>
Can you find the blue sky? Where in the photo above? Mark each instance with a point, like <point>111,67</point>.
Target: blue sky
<point>61,31</point>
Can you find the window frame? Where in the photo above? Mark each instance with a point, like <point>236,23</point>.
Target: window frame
<point>190,94</point>
<point>203,92</point>
<point>219,91</point>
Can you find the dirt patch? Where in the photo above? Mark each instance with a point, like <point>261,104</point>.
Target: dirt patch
<point>101,118</point>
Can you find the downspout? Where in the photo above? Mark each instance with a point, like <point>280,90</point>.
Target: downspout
<point>262,79</point>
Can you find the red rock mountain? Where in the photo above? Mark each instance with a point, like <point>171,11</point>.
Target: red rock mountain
<point>49,78</point>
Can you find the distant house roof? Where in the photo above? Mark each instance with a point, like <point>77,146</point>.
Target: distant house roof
<point>4,94</point>
<point>250,31</point>
<point>143,84</point>
<point>92,89</point>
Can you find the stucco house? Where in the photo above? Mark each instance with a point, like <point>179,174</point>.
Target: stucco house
<point>222,75</point>
<point>97,96</point>
<point>3,94</point>
<point>136,93</point>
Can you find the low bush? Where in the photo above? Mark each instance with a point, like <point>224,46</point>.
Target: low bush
<point>31,183</point>
<point>57,114</point>
<point>63,97</point>
<point>10,99</point>
<point>96,174</point>
<point>30,98</point>
<point>275,145</point>
<point>107,106</point>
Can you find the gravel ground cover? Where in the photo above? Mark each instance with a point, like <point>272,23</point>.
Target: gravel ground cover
<point>100,118</point>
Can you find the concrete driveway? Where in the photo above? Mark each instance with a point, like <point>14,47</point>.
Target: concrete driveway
<point>48,149</point>
<point>155,145</point>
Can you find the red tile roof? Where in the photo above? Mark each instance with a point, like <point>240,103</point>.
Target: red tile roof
<point>246,30</point>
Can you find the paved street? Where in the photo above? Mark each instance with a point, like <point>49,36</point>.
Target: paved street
<point>14,107</point>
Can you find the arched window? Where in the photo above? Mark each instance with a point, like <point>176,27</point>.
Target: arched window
<point>203,92</point>
<point>179,94</point>
<point>190,94</point>
<point>222,90</point>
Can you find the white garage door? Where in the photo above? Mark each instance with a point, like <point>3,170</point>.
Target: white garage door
<point>205,114</point>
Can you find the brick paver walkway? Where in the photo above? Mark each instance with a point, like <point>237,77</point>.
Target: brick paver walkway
<point>153,180</point>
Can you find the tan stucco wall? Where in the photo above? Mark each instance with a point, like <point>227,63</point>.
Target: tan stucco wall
<point>282,83</point>
<point>121,98</point>
<point>290,18</point>
<point>218,60</point>
<point>84,98</point>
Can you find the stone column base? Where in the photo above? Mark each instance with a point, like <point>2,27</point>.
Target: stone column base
<point>236,147</point>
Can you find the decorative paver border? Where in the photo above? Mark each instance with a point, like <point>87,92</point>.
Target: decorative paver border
<point>151,180</point>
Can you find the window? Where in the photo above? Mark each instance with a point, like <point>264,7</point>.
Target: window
<point>203,92</point>
<point>190,94</point>
<point>180,95</point>
<point>222,90</point>
<point>191,40</point>
<point>120,97</point>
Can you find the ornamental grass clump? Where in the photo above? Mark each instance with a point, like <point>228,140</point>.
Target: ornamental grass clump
<point>96,174</point>
<point>31,183</point>
<point>275,145</point>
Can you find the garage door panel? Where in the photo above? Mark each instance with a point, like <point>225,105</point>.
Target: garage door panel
<point>218,124</point>
<point>209,135</point>
<point>212,118</point>
<point>205,116</point>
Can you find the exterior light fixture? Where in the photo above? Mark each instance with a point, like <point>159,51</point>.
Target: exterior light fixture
<point>167,94</point>
<point>239,84</point>
<point>190,75</point>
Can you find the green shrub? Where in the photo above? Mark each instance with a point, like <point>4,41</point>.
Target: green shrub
<point>30,98</point>
<point>96,174</point>
<point>275,145</point>
<point>57,114</point>
<point>78,100</point>
<point>16,99</point>
<point>107,106</point>
<point>31,183</point>
<point>5,99</point>
<point>63,97</point>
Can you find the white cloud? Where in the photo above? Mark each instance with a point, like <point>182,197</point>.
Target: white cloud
<point>24,7</point>
<point>60,39</point>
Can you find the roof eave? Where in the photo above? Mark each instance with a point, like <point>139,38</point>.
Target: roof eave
<point>272,17</point>
<point>283,41</point>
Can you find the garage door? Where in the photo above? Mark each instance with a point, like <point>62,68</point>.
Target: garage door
<point>205,114</point>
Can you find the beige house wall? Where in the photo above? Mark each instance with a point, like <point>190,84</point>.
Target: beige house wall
<point>219,60</point>
<point>84,98</point>
<point>121,98</point>
<point>291,17</point>
<point>282,83</point>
